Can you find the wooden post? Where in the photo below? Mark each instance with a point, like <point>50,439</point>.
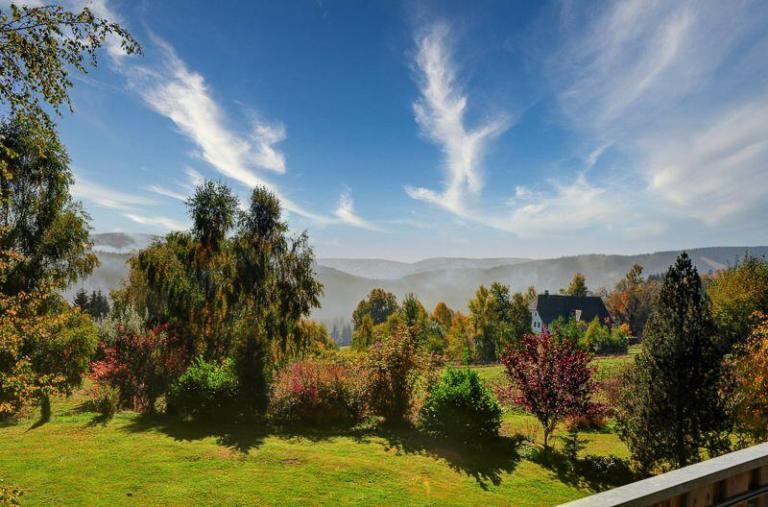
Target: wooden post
<point>702,497</point>
<point>737,484</point>
<point>762,480</point>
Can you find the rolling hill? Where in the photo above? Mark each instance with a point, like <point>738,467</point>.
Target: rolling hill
<point>452,280</point>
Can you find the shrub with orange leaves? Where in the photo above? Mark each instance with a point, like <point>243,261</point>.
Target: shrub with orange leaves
<point>45,346</point>
<point>749,383</point>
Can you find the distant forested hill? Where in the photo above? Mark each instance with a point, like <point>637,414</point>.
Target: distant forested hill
<point>452,280</point>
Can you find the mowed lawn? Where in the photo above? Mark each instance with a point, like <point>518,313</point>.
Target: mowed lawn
<point>605,366</point>
<point>76,459</point>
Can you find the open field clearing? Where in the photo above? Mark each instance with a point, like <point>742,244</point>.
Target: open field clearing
<point>77,459</point>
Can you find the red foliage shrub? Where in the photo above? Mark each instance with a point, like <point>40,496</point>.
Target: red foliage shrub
<point>141,365</point>
<point>317,392</point>
<point>504,392</point>
<point>594,417</point>
<point>553,378</point>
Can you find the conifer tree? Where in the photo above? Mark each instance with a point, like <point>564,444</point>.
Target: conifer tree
<point>669,408</point>
<point>81,300</point>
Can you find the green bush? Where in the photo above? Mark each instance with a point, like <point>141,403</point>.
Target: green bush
<point>461,407</point>
<point>105,399</point>
<point>600,339</point>
<point>206,391</point>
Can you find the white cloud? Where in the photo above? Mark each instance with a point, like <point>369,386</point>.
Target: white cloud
<point>163,223</point>
<point>186,188</point>
<point>195,178</point>
<point>126,203</point>
<point>6,4</point>
<point>265,137</point>
<point>107,197</point>
<point>680,89</point>
<point>716,172</point>
<point>595,154</point>
<point>345,212</point>
<point>565,208</point>
<point>440,112</point>
<point>634,58</point>
<point>182,95</point>
<point>161,190</point>
<point>101,9</point>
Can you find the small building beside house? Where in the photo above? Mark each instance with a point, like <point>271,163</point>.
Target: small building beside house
<point>547,307</point>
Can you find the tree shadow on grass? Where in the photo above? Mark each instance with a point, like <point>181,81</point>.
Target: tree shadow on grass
<point>45,413</point>
<point>239,436</point>
<point>596,473</point>
<point>85,408</point>
<point>485,464</point>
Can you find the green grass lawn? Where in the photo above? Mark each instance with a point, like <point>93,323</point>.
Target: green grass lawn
<point>605,366</point>
<point>75,459</point>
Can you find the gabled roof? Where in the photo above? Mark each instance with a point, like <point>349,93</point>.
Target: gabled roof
<point>552,306</point>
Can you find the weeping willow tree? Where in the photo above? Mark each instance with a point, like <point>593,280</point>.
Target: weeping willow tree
<point>237,285</point>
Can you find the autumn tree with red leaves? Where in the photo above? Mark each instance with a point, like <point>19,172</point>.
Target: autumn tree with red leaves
<point>552,378</point>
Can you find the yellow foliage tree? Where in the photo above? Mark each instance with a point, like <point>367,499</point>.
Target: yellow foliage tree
<point>45,346</point>
<point>749,370</point>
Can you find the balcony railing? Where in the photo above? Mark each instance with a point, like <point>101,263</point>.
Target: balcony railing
<point>737,479</point>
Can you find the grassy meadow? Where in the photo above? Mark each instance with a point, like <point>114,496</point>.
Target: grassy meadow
<point>75,459</point>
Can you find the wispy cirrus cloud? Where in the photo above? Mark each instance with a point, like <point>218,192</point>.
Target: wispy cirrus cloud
<point>107,197</point>
<point>441,115</point>
<point>161,222</point>
<point>564,207</point>
<point>675,90</point>
<point>126,203</point>
<point>170,88</point>
<point>681,88</point>
<point>173,90</point>
<point>440,112</point>
<point>167,192</point>
<point>185,189</point>
<point>345,212</point>
<point>716,173</point>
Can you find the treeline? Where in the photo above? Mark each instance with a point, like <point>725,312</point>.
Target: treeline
<point>96,304</point>
<point>496,319</point>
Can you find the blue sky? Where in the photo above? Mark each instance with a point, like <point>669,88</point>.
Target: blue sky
<point>417,129</point>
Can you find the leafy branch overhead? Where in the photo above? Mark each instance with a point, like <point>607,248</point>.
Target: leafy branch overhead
<point>38,48</point>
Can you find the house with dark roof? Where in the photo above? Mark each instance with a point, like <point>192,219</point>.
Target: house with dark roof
<point>547,307</point>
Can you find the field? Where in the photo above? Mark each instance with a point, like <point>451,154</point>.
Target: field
<point>77,459</point>
<point>605,366</point>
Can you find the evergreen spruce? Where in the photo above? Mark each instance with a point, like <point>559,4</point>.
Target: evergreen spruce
<point>669,409</point>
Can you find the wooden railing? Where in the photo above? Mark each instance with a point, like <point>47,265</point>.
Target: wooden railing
<point>737,479</point>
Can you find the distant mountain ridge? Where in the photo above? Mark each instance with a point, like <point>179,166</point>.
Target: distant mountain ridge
<point>453,280</point>
<point>383,269</point>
